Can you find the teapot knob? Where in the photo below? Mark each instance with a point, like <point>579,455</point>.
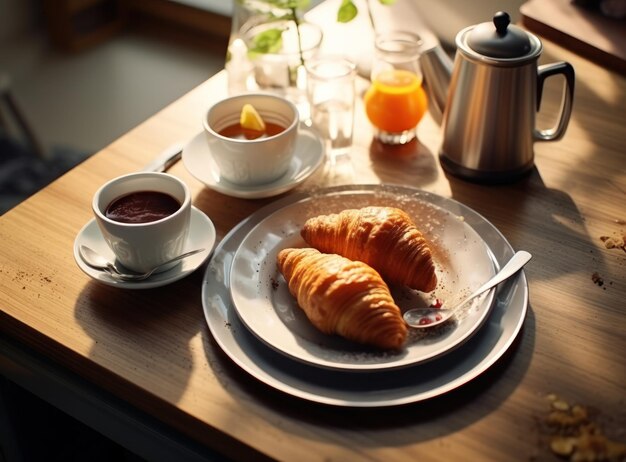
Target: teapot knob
<point>505,41</point>
<point>501,20</point>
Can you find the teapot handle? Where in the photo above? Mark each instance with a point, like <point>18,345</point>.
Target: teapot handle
<point>543,72</point>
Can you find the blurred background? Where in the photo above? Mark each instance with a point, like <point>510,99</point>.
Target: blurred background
<point>77,74</point>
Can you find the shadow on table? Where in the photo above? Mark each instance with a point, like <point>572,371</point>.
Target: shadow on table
<point>544,221</point>
<point>547,223</point>
<point>108,315</point>
<point>410,164</point>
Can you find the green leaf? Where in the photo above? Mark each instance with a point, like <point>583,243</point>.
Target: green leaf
<point>387,2</point>
<point>268,41</point>
<point>347,11</point>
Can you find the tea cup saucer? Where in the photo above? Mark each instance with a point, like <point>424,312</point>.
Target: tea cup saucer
<point>201,235</point>
<point>306,160</point>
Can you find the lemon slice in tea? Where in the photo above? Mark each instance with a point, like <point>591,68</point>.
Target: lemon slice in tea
<point>250,118</point>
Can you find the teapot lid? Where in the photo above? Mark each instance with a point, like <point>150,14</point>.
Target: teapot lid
<point>503,41</point>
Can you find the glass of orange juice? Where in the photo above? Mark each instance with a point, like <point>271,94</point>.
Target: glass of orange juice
<point>396,101</point>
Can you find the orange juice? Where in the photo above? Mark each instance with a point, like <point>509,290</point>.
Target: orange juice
<point>396,101</point>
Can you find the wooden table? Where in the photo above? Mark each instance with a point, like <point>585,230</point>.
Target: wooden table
<point>147,361</point>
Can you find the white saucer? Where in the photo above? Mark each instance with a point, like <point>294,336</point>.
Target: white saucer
<point>308,157</point>
<point>201,235</point>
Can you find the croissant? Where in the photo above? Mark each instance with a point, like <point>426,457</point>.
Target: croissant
<point>383,237</point>
<point>344,297</point>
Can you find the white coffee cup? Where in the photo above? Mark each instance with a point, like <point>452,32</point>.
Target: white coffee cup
<point>256,161</point>
<point>142,246</point>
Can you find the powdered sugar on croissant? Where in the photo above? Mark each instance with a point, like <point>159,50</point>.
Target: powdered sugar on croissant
<point>344,297</point>
<point>383,237</point>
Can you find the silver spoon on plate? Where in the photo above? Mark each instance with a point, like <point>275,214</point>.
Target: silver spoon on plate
<point>428,317</point>
<point>97,261</point>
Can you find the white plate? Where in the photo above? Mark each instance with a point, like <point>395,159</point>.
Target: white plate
<point>261,296</point>
<point>201,235</point>
<point>353,389</point>
<point>308,157</point>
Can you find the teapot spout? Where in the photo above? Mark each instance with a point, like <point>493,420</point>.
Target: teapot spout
<point>436,66</point>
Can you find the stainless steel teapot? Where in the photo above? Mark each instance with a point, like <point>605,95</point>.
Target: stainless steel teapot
<point>489,100</point>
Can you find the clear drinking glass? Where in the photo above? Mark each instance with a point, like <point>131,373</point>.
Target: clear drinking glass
<point>278,51</point>
<point>331,94</point>
<point>396,101</point>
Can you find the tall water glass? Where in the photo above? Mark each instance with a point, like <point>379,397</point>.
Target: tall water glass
<point>330,84</point>
<point>396,101</point>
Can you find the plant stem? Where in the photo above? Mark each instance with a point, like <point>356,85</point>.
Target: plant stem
<point>295,19</point>
<point>293,72</point>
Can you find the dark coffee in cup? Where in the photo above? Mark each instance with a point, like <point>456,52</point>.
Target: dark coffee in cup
<point>142,207</point>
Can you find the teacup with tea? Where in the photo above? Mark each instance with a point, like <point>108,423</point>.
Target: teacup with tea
<point>252,137</point>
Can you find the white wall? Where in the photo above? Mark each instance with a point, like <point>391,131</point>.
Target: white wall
<point>447,17</point>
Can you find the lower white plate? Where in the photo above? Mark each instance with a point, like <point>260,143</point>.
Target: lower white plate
<point>381,388</point>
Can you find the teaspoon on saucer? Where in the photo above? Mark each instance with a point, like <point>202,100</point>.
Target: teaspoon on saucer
<point>97,261</point>
<point>429,317</point>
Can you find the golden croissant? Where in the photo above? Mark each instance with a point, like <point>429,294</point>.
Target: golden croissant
<point>383,237</point>
<point>344,297</point>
